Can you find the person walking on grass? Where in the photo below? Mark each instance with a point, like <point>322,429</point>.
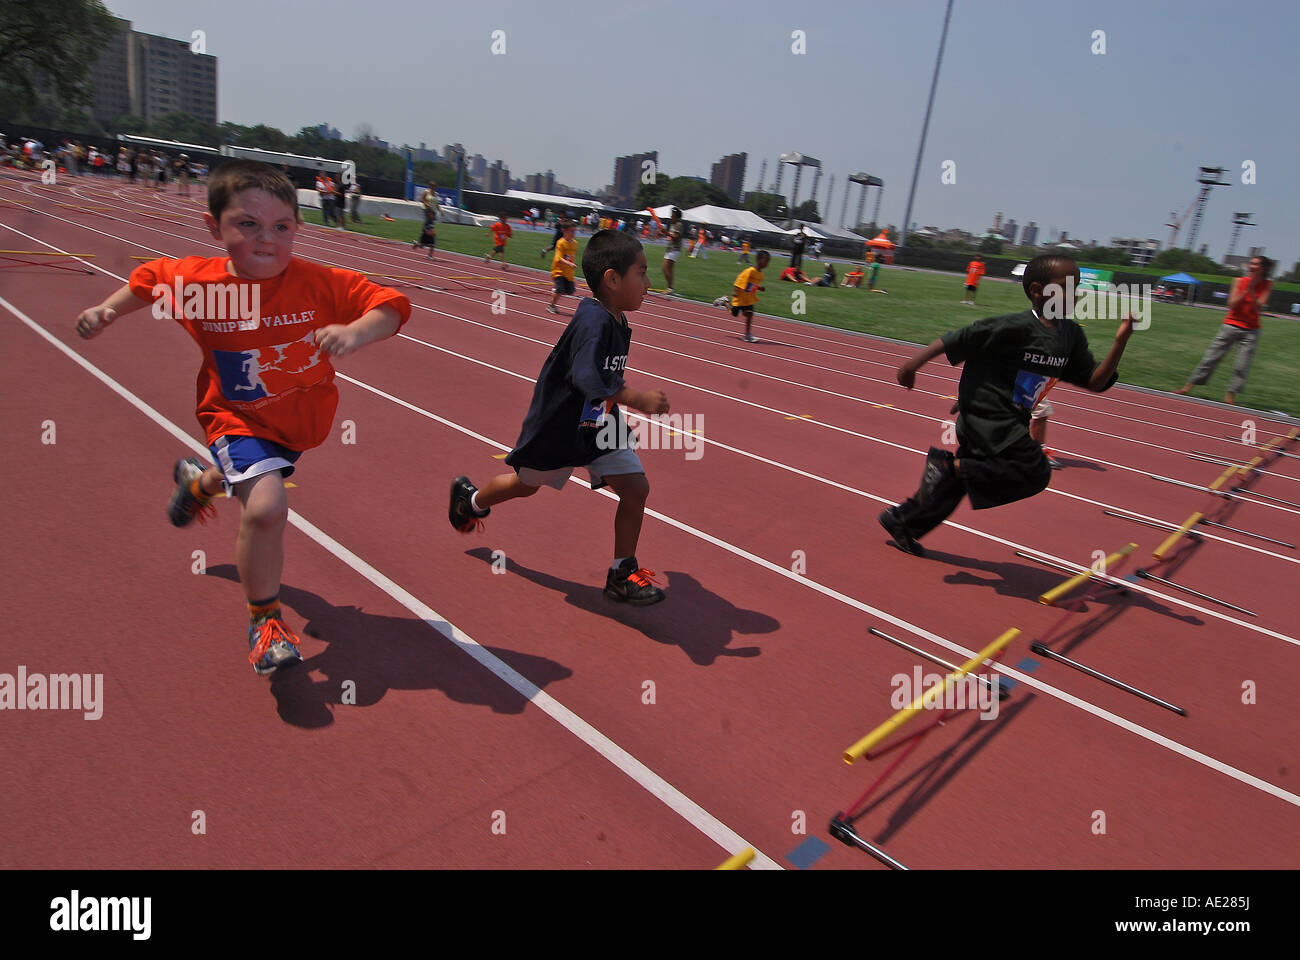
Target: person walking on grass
<point>1249,295</point>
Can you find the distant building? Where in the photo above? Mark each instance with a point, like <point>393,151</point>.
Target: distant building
<point>1241,262</point>
<point>1029,237</point>
<point>328,132</point>
<point>1009,230</point>
<point>150,76</point>
<point>423,154</point>
<point>496,178</point>
<point>1142,251</point>
<point>728,175</point>
<point>451,151</point>
<point>997,223</point>
<point>627,175</point>
<point>477,166</point>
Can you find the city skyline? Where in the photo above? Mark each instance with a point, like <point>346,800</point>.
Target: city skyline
<point>1091,121</point>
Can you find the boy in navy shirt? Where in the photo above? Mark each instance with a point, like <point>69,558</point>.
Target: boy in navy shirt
<point>1010,362</point>
<point>574,419</point>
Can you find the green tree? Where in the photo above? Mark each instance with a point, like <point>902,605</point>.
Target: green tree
<point>807,211</point>
<point>186,128</point>
<point>1186,261</point>
<point>128,123</point>
<point>56,40</point>
<point>991,245</point>
<point>764,204</point>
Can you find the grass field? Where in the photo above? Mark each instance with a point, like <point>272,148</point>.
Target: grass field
<point>922,304</point>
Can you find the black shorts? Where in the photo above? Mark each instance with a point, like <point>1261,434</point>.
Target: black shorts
<point>971,288</point>
<point>1018,472</point>
<point>499,248</point>
<point>747,311</point>
<point>564,285</point>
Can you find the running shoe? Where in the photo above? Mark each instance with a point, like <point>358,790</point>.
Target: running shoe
<point>272,645</point>
<point>184,506</point>
<point>629,583</point>
<point>461,510</point>
<point>897,529</point>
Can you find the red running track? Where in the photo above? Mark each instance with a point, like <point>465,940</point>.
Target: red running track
<point>539,723</point>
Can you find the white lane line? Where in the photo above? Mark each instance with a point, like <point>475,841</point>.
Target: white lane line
<point>1122,722</point>
<point>657,786</point>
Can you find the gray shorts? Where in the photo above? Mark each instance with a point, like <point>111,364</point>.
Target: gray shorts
<point>608,465</point>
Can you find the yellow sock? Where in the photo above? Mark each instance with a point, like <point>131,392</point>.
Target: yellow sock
<point>196,489</point>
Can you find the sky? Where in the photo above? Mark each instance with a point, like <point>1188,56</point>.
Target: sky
<point>1030,119</point>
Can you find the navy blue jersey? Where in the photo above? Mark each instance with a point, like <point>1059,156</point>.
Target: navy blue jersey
<point>1009,361</point>
<point>584,369</point>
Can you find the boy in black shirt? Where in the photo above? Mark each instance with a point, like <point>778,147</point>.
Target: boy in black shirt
<point>1010,362</point>
<point>574,419</point>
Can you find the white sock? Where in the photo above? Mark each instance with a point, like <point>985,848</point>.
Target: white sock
<point>473,503</point>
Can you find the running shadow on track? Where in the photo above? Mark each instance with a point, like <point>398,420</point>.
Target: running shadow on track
<point>1075,464</point>
<point>1024,580</point>
<point>935,774</point>
<point>693,618</point>
<point>379,654</point>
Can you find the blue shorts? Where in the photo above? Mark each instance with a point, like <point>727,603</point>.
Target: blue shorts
<point>243,458</point>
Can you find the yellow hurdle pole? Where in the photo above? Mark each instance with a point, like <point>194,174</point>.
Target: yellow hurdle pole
<point>47,253</point>
<point>1177,535</point>
<point>738,862</point>
<point>1060,590</point>
<point>856,751</point>
<point>1223,477</point>
<point>1242,471</point>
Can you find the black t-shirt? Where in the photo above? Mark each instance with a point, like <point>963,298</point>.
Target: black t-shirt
<point>1010,363</point>
<point>585,366</point>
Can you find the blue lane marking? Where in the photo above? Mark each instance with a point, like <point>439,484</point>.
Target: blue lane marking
<point>1027,665</point>
<point>1005,682</point>
<point>808,852</point>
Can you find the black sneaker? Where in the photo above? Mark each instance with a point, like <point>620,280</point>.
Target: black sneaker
<point>897,529</point>
<point>628,583</point>
<point>461,512</point>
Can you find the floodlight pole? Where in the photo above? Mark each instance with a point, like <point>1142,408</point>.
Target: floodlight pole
<point>925,126</point>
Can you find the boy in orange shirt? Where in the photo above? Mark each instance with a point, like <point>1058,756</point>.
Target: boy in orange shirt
<point>266,386</point>
<point>974,270</point>
<point>501,232</point>
<point>563,264</point>
<point>744,292</point>
<point>1249,295</point>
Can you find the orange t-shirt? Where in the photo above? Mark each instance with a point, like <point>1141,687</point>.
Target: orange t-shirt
<point>1246,313</point>
<point>262,377</point>
<point>501,232</point>
<point>974,270</point>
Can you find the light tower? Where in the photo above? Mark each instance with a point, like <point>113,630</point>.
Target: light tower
<point>1208,178</point>
<point>799,161</point>
<point>867,181</point>
<point>1239,220</point>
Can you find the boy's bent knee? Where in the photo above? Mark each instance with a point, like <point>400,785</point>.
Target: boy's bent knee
<point>631,487</point>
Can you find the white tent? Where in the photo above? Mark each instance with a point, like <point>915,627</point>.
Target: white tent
<point>732,219</point>
<point>822,232</point>
<point>550,200</point>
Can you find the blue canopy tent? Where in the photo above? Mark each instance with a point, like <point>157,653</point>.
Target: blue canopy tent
<point>1186,280</point>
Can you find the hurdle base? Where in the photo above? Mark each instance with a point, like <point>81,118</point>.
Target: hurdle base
<point>843,831</point>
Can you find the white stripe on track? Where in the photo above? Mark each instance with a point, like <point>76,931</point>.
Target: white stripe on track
<point>638,772</point>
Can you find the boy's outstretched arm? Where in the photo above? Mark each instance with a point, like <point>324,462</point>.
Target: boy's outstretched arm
<point>340,339</point>
<point>907,372</point>
<point>652,401</point>
<point>1107,368</point>
<point>92,321</point>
